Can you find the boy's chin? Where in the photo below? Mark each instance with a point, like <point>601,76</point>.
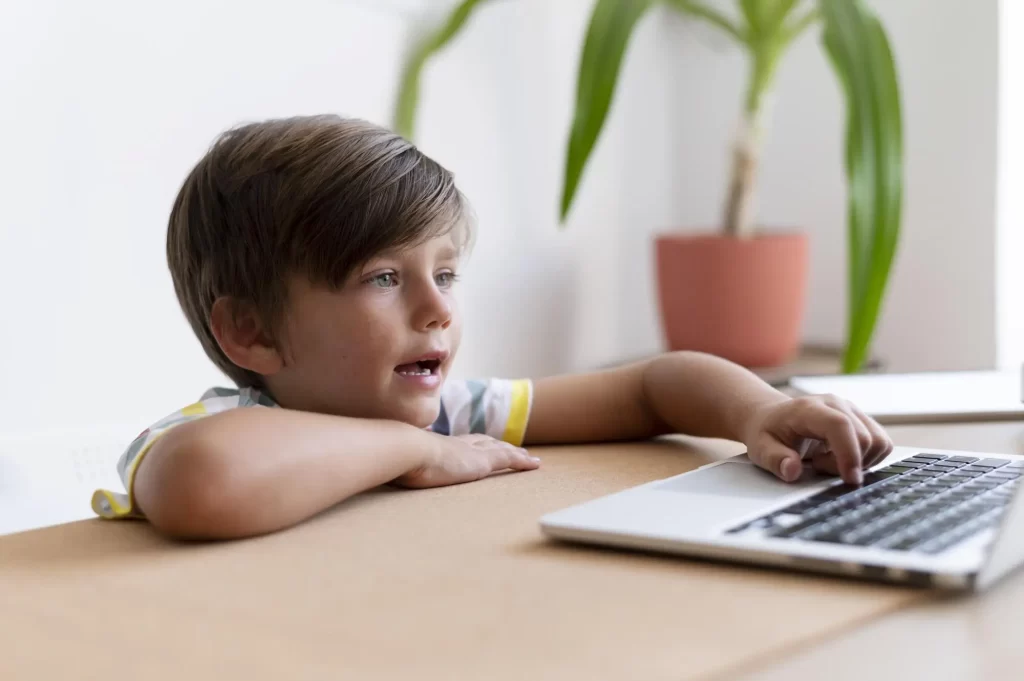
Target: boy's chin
<point>421,413</point>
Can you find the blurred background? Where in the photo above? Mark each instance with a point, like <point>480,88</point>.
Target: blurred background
<point>107,104</point>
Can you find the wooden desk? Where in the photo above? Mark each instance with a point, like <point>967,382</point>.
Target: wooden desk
<point>458,583</point>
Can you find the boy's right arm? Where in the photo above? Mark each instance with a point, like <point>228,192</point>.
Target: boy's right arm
<point>250,471</point>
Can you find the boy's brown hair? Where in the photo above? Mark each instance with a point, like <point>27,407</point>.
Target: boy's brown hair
<point>316,196</point>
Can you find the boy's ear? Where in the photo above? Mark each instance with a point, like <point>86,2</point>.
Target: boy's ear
<point>243,337</point>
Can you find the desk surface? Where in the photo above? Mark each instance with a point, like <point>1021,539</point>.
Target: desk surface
<point>458,583</point>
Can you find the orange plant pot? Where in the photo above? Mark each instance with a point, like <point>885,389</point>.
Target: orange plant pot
<point>740,299</point>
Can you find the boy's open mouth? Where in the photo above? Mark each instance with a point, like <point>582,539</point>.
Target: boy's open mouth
<point>425,367</point>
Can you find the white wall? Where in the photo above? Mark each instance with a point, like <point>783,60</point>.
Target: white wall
<point>108,104</point>
<point>1010,240</point>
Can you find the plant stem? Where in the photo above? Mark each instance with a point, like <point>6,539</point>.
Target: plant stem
<point>765,42</point>
<point>746,155</point>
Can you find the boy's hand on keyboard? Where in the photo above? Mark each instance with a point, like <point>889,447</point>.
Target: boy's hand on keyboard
<point>465,458</point>
<point>850,440</point>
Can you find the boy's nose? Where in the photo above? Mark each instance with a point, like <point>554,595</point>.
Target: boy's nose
<point>434,310</point>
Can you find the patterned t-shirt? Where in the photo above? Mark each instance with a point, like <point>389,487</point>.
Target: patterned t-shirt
<point>496,407</point>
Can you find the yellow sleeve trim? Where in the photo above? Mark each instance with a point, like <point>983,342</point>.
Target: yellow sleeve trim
<point>519,414</point>
<point>110,505</point>
<point>197,409</point>
<point>113,505</point>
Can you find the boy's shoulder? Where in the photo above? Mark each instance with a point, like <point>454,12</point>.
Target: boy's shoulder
<point>236,397</point>
<point>110,504</point>
<point>214,400</point>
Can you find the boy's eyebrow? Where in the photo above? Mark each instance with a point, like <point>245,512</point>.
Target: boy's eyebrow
<point>449,253</point>
<point>443,253</point>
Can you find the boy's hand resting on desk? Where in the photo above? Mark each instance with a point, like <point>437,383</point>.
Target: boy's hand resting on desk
<point>850,441</point>
<point>465,458</point>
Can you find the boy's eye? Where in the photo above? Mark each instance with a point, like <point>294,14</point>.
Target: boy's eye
<point>385,280</point>
<point>446,279</point>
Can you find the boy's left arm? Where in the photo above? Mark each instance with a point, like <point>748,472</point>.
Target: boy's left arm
<point>703,395</point>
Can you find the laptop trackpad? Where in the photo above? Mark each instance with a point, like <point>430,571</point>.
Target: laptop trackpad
<point>738,479</point>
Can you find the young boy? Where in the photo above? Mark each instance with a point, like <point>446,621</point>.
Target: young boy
<point>315,259</point>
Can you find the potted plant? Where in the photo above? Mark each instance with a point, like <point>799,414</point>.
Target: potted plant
<point>739,292</point>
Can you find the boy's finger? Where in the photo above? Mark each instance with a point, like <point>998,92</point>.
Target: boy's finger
<point>499,457</point>
<point>825,462</point>
<point>881,444</point>
<point>779,459</point>
<point>836,428</point>
<point>524,461</point>
<point>864,436</point>
<point>503,458</point>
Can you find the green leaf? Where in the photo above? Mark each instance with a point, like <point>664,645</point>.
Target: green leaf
<point>860,54</point>
<point>712,16</point>
<point>755,15</point>
<point>792,31</point>
<point>611,26</point>
<point>404,121</point>
<point>780,12</point>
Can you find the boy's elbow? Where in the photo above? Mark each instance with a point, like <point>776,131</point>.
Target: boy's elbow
<point>186,489</point>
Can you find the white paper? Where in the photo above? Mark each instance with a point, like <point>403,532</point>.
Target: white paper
<point>962,395</point>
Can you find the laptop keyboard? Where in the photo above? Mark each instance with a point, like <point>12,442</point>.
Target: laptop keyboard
<point>926,503</point>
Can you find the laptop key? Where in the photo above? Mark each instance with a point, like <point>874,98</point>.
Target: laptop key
<point>963,459</point>
<point>835,491</point>
<point>991,463</point>
<point>785,531</point>
<point>897,469</point>
<point>986,482</point>
<point>913,481</point>
<point>910,542</point>
<point>933,457</point>
<point>871,477</point>
<point>808,504</point>
<point>815,531</point>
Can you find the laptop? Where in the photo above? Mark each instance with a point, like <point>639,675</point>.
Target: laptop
<point>927,517</point>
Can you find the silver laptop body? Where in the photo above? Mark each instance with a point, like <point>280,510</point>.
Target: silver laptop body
<point>928,517</point>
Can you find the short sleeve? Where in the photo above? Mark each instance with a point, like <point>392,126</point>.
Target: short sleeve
<point>496,407</point>
<point>111,504</point>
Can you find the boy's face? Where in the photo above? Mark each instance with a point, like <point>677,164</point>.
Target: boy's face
<point>381,346</point>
